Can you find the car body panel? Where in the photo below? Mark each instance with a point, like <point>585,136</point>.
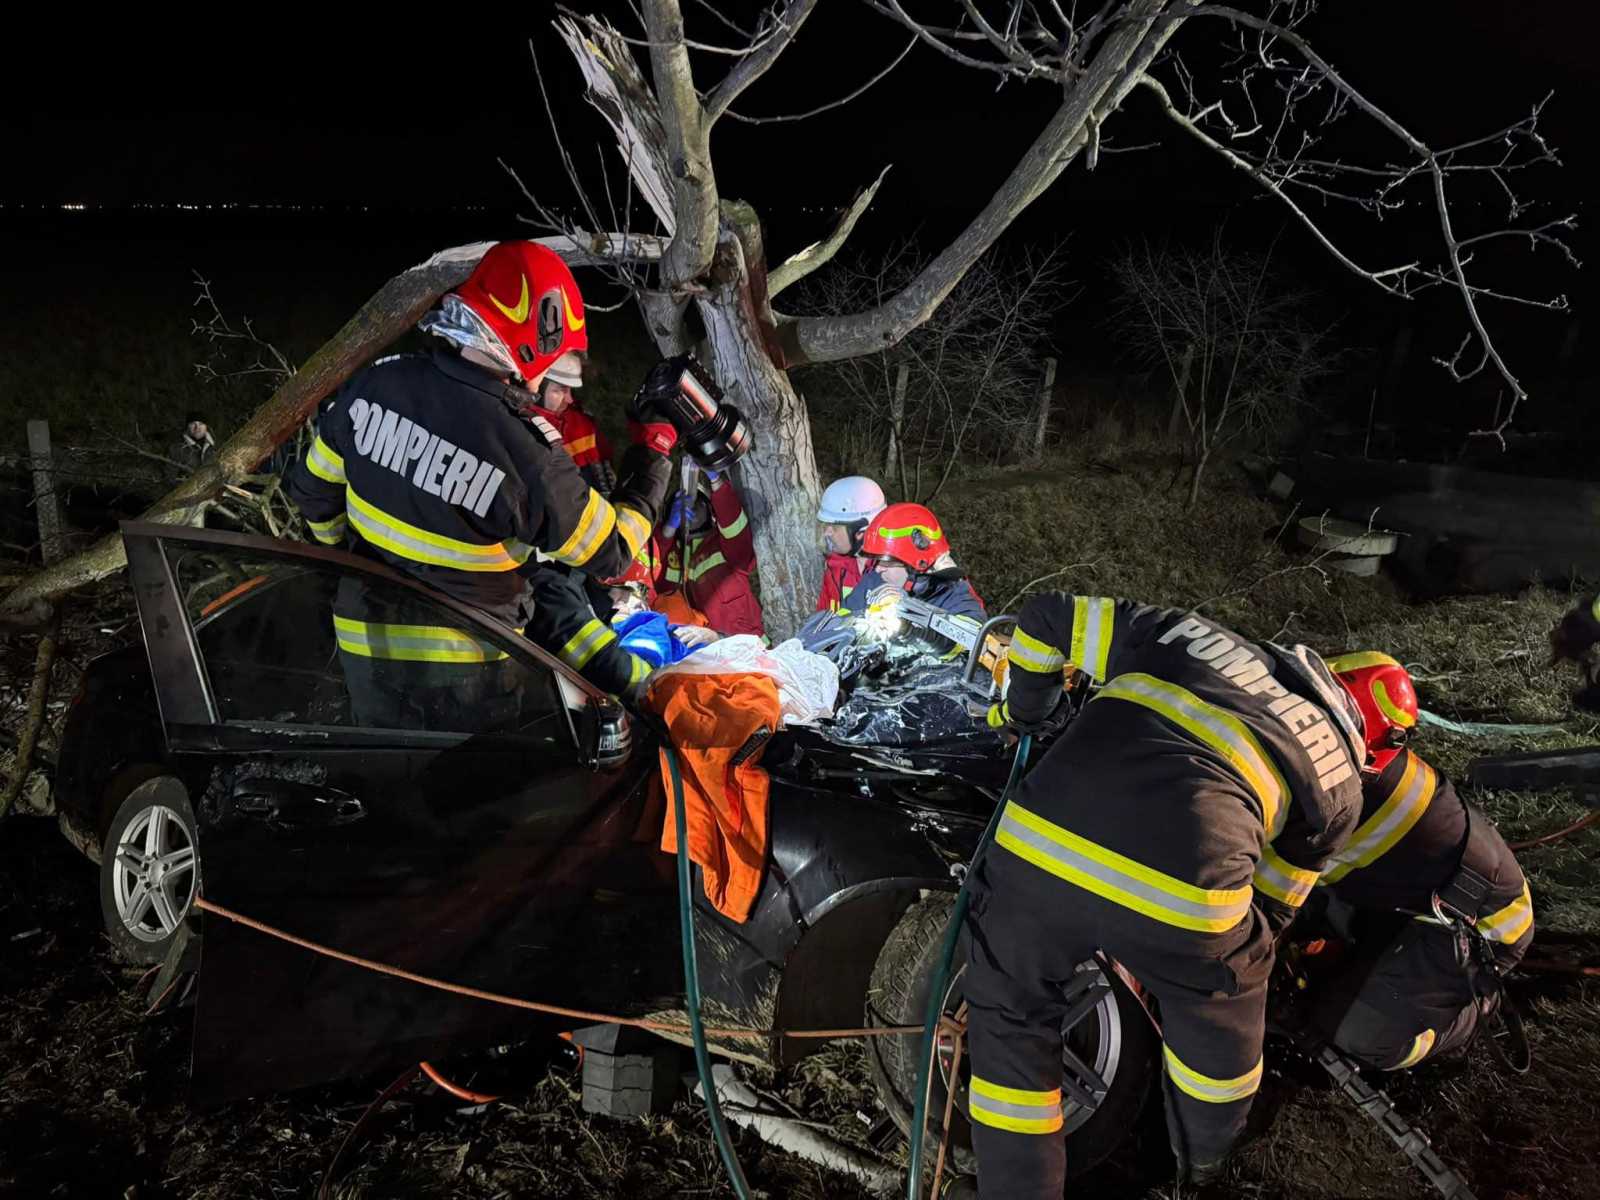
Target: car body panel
<point>507,863</point>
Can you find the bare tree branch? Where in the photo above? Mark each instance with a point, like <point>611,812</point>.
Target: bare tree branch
<point>822,108</point>
<point>759,58</point>
<point>801,264</point>
<point>1280,159</point>
<point>1130,46</point>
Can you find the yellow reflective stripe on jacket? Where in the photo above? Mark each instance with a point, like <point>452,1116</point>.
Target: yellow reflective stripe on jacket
<point>738,526</point>
<point>700,568</point>
<point>634,527</point>
<point>412,643</point>
<point>324,463</point>
<point>1420,1045</point>
<point>1511,922</point>
<point>1092,617</point>
<point>1217,728</point>
<point>586,643</point>
<point>1029,653</point>
<point>637,669</point>
<point>592,529</point>
<point>1118,878</point>
<point>1282,880</point>
<point>418,545</point>
<point>1594,609</point>
<point>1204,1087</point>
<point>578,446</point>
<point>1395,817</point>
<point>329,532</point>
<point>1015,1109</point>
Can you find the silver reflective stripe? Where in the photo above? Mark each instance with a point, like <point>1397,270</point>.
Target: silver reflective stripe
<point>324,463</point>
<point>1220,730</point>
<point>1019,1110</point>
<point>1393,820</point>
<point>1095,868</point>
<point>1032,654</point>
<point>1282,880</point>
<point>371,525</point>
<point>415,643</point>
<point>1092,620</point>
<point>1204,1087</point>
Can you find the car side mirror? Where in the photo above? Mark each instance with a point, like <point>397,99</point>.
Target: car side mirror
<point>606,734</point>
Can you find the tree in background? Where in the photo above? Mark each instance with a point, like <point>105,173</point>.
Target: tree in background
<point>1261,97</point>
<point>962,386</point>
<point>1233,338</point>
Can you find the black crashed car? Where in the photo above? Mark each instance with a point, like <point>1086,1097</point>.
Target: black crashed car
<point>220,752</point>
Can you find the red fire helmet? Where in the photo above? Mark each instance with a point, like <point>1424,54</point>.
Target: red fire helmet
<point>908,533</point>
<point>1387,698</point>
<point>527,295</point>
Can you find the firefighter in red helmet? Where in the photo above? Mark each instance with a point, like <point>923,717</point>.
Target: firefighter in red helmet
<point>429,464</point>
<point>911,556</point>
<point>1426,889</point>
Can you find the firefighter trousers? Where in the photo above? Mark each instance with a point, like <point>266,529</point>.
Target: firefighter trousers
<point>1417,995</point>
<point>1027,933</point>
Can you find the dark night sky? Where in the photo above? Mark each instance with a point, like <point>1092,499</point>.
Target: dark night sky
<point>415,113</point>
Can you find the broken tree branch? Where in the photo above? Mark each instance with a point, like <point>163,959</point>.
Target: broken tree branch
<point>688,147</point>
<point>393,310</point>
<point>33,721</point>
<point>801,264</point>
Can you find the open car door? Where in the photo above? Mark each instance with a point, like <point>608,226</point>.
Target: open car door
<point>427,790</point>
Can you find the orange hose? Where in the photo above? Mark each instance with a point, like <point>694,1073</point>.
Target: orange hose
<point>1587,821</point>
<point>580,1014</point>
<point>455,1089</point>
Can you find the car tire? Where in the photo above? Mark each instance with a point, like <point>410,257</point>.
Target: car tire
<point>149,870</point>
<point>1117,1037</point>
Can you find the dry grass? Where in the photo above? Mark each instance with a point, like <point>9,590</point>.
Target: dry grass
<point>91,1094</point>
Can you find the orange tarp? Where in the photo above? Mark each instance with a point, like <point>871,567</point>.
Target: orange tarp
<point>679,611</point>
<point>725,807</point>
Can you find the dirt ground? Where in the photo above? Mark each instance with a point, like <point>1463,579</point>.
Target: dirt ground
<point>92,1091</point>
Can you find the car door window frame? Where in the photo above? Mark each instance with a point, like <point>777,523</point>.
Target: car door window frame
<point>184,695</point>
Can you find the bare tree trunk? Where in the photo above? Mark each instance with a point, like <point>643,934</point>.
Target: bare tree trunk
<point>1201,458</point>
<point>778,477</point>
<point>1042,425</point>
<point>1180,397</point>
<point>897,416</point>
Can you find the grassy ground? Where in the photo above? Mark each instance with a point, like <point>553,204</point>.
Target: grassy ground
<point>90,1091</point>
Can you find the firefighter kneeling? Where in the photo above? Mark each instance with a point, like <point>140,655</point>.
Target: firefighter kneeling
<point>1203,765</point>
<point>1431,893</point>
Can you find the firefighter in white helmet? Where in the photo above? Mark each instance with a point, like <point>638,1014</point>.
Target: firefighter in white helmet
<point>847,505</point>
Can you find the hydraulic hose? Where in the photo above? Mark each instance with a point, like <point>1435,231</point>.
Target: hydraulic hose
<point>941,976</point>
<point>691,988</point>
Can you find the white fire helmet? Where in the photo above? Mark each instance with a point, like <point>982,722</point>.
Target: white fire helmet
<point>849,500</point>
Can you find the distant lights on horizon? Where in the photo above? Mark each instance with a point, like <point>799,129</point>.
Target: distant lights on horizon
<point>228,205</point>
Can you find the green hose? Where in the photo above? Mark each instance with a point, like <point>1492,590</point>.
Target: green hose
<point>691,987</point>
<point>941,976</point>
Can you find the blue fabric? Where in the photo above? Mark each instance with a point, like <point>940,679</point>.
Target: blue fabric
<point>649,635</point>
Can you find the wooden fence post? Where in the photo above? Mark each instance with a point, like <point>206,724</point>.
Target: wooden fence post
<point>1047,389</point>
<point>47,510</point>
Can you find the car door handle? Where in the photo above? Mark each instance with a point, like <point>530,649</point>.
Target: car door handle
<point>289,804</point>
